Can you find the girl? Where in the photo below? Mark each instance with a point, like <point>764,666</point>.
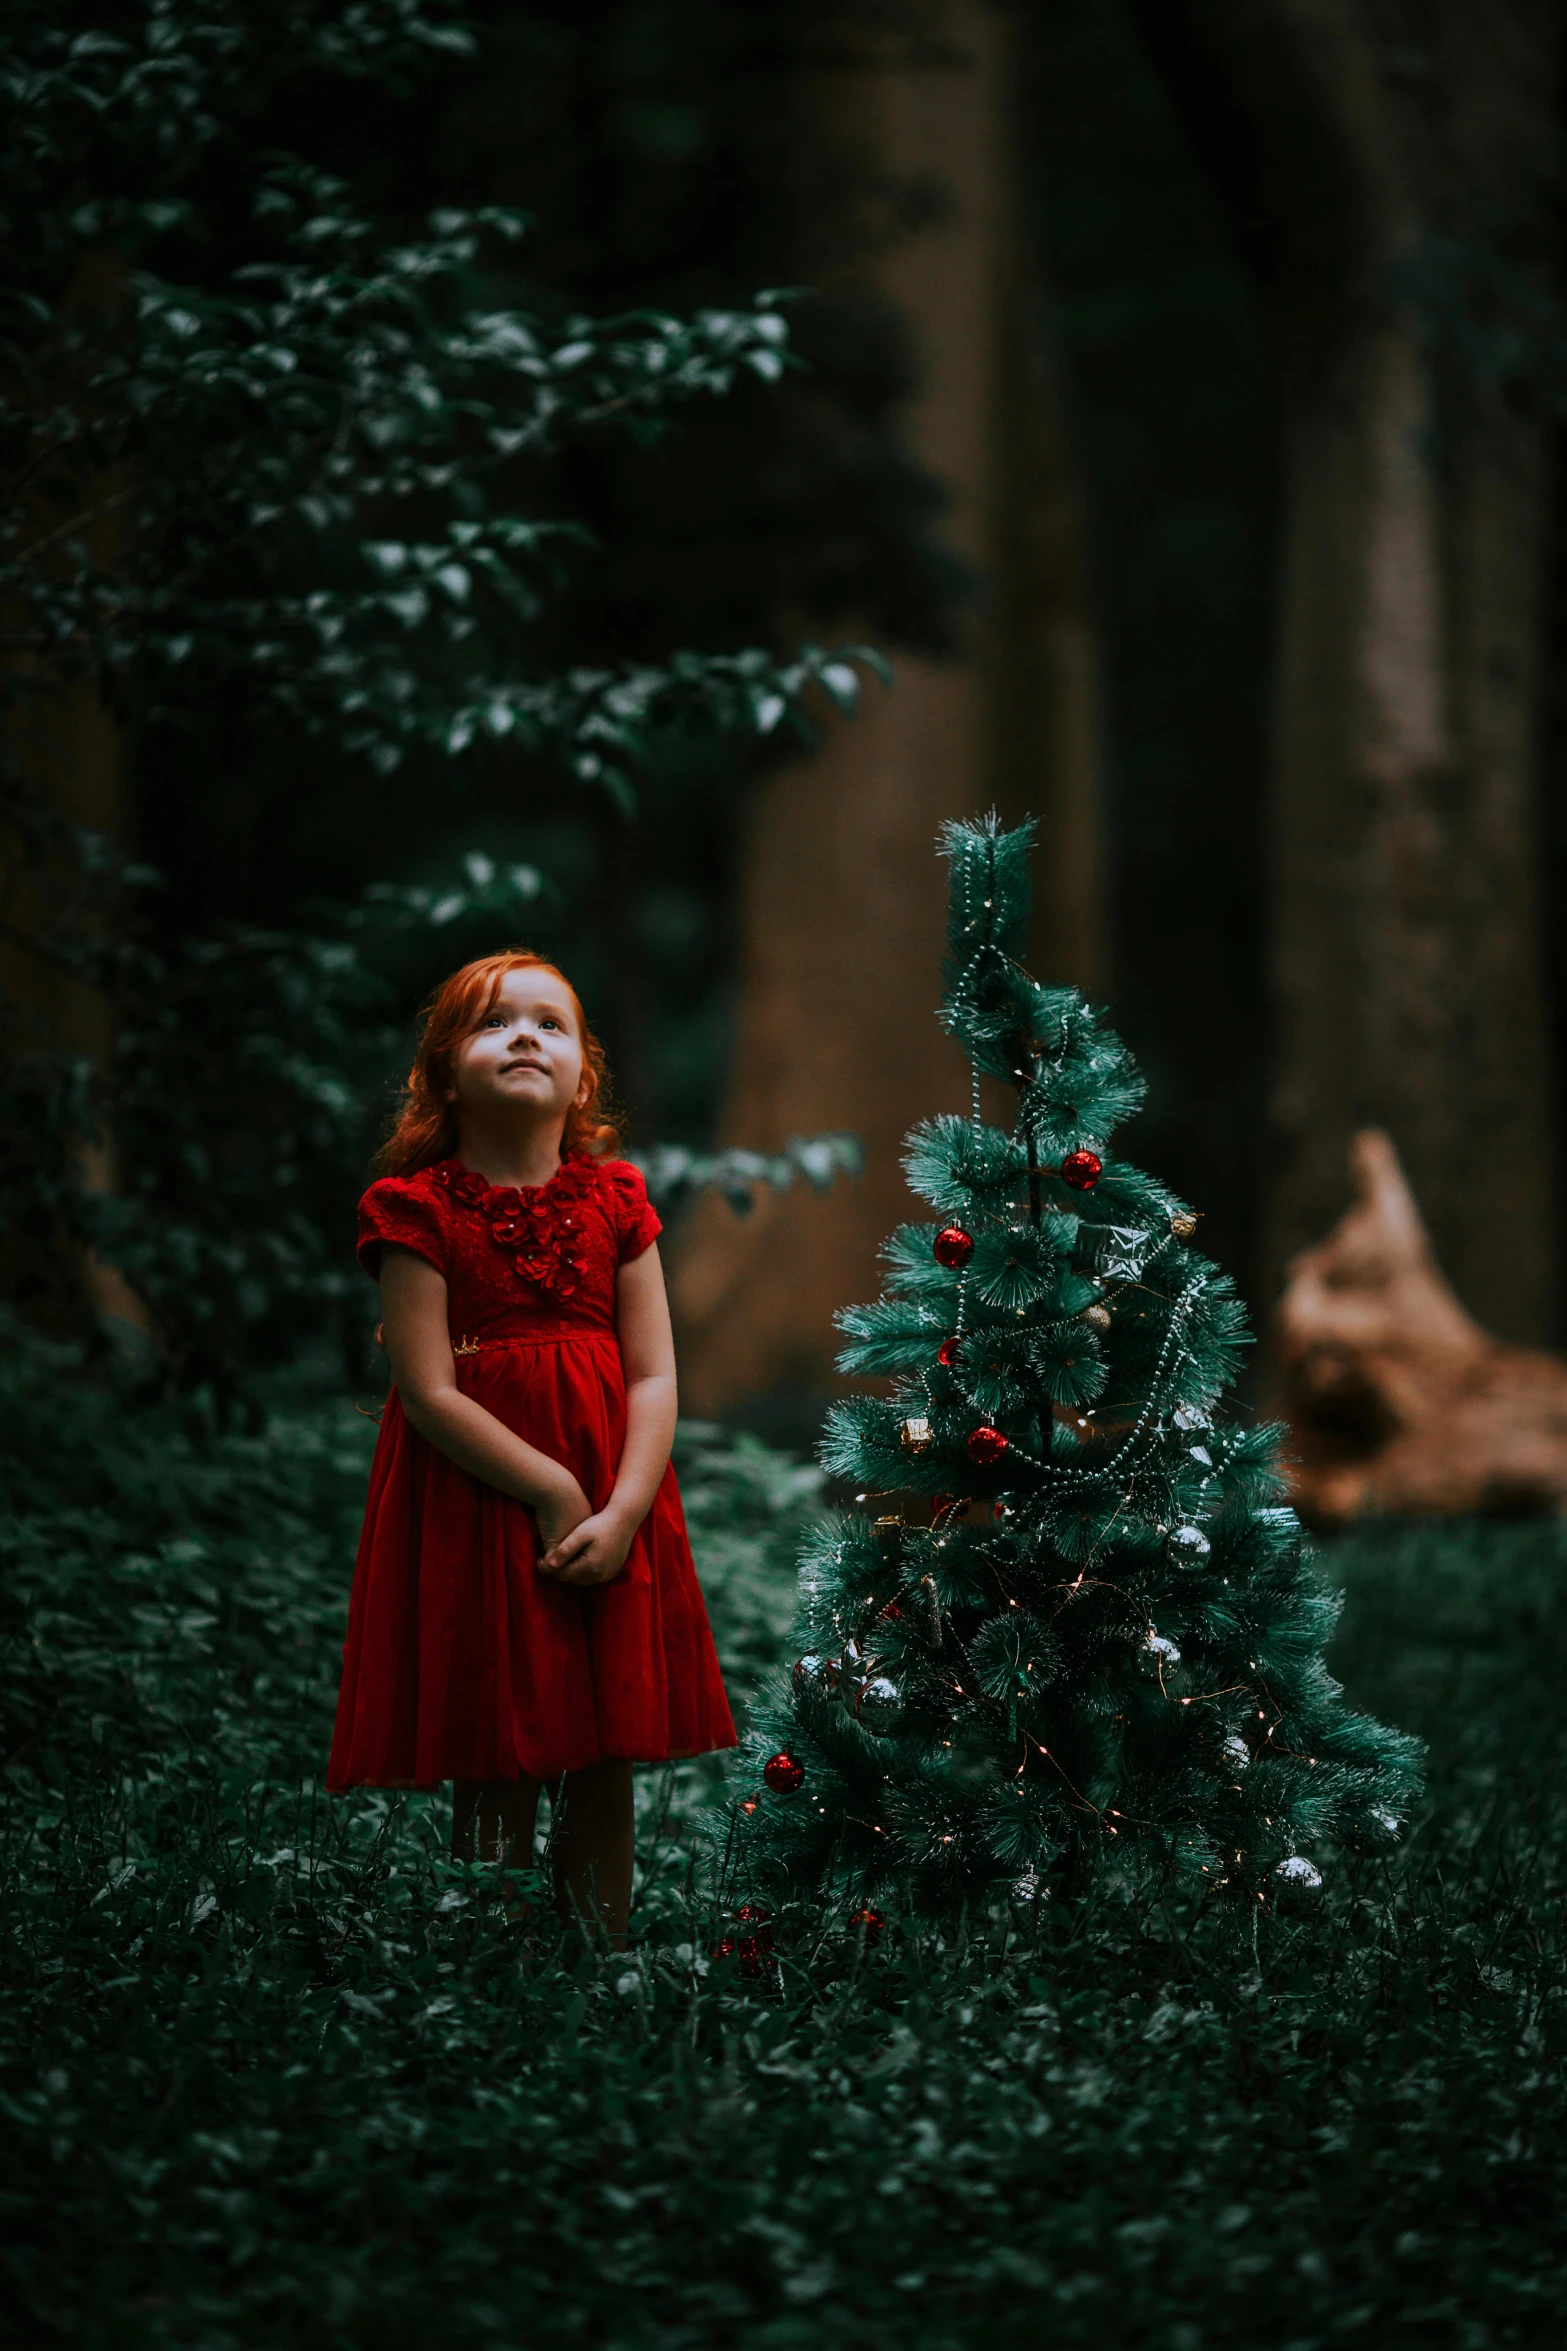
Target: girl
<point>525,1612</point>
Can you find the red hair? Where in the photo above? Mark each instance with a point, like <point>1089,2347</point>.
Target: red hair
<point>426,1129</point>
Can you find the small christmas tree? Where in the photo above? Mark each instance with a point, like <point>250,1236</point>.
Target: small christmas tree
<point>1070,1616</point>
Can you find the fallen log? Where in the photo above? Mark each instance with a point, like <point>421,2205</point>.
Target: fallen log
<point>1398,1402</point>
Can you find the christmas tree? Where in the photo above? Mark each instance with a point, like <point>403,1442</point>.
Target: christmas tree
<point>1070,1619</point>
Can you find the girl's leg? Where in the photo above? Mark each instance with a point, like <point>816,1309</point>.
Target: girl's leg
<point>492,1820</point>
<point>591,1845</point>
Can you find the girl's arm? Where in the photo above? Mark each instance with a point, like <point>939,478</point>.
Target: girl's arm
<point>413,1318</point>
<point>596,1550</point>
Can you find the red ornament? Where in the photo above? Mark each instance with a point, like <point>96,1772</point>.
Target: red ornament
<point>868,1922</point>
<point>1082,1170</point>
<point>986,1445</point>
<point>752,1943</point>
<point>953,1247</point>
<point>782,1773</point>
<point>757,1923</point>
<point>950,1351</point>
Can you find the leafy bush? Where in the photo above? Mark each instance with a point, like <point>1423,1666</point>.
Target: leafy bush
<point>278,470</point>
<point>321,432</point>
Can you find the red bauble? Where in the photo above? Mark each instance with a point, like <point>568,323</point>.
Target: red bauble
<point>782,1773</point>
<point>757,1923</point>
<point>950,1351</point>
<point>953,1247</point>
<point>986,1445</point>
<point>867,1922</point>
<point>1082,1170</point>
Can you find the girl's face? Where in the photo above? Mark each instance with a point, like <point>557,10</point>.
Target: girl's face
<point>524,1057</point>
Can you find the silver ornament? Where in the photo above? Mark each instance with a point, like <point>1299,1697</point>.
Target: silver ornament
<point>878,1703</point>
<point>1187,1418</point>
<point>1027,1890</point>
<point>1299,1875</point>
<point>1116,1251</point>
<point>1191,1542</point>
<point>1236,1751</point>
<point>1160,1653</point>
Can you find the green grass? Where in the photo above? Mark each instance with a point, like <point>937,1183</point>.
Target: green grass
<point>273,2072</point>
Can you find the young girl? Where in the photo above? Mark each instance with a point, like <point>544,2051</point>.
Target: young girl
<point>525,1612</point>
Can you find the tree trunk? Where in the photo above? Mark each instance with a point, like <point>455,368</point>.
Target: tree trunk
<point>1407,977</point>
<point>842,902</point>
<point>64,749</point>
<point>1398,1401</point>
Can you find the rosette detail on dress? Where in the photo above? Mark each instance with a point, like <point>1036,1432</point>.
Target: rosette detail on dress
<point>540,1228</point>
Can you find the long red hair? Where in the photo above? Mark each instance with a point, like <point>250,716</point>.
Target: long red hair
<point>426,1129</point>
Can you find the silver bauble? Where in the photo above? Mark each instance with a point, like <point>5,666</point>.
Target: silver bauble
<point>878,1703</point>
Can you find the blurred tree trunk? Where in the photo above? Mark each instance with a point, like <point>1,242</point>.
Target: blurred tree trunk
<point>1379,169</point>
<point>64,750</point>
<point>842,900</point>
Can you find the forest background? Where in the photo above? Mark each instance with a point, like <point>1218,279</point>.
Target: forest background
<point>1179,414</point>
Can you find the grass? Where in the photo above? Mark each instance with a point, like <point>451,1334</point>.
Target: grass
<point>274,2072</point>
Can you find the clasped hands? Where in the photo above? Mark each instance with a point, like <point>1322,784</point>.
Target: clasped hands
<point>581,1545</point>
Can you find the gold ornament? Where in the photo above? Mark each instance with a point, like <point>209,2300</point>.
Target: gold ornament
<point>1096,1317</point>
<point>917,1434</point>
<point>1183,1224</point>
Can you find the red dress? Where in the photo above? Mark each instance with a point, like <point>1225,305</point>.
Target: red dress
<point>463,1660</point>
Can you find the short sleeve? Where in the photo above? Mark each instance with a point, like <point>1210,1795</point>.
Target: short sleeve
<point>637,1224</point>
<point>392,1212</point>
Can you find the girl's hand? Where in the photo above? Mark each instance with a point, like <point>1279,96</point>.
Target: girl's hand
<point>594,1552</point>
<point>558,1510</point>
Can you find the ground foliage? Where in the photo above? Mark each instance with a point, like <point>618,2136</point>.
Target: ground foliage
<point>273,2071</point>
